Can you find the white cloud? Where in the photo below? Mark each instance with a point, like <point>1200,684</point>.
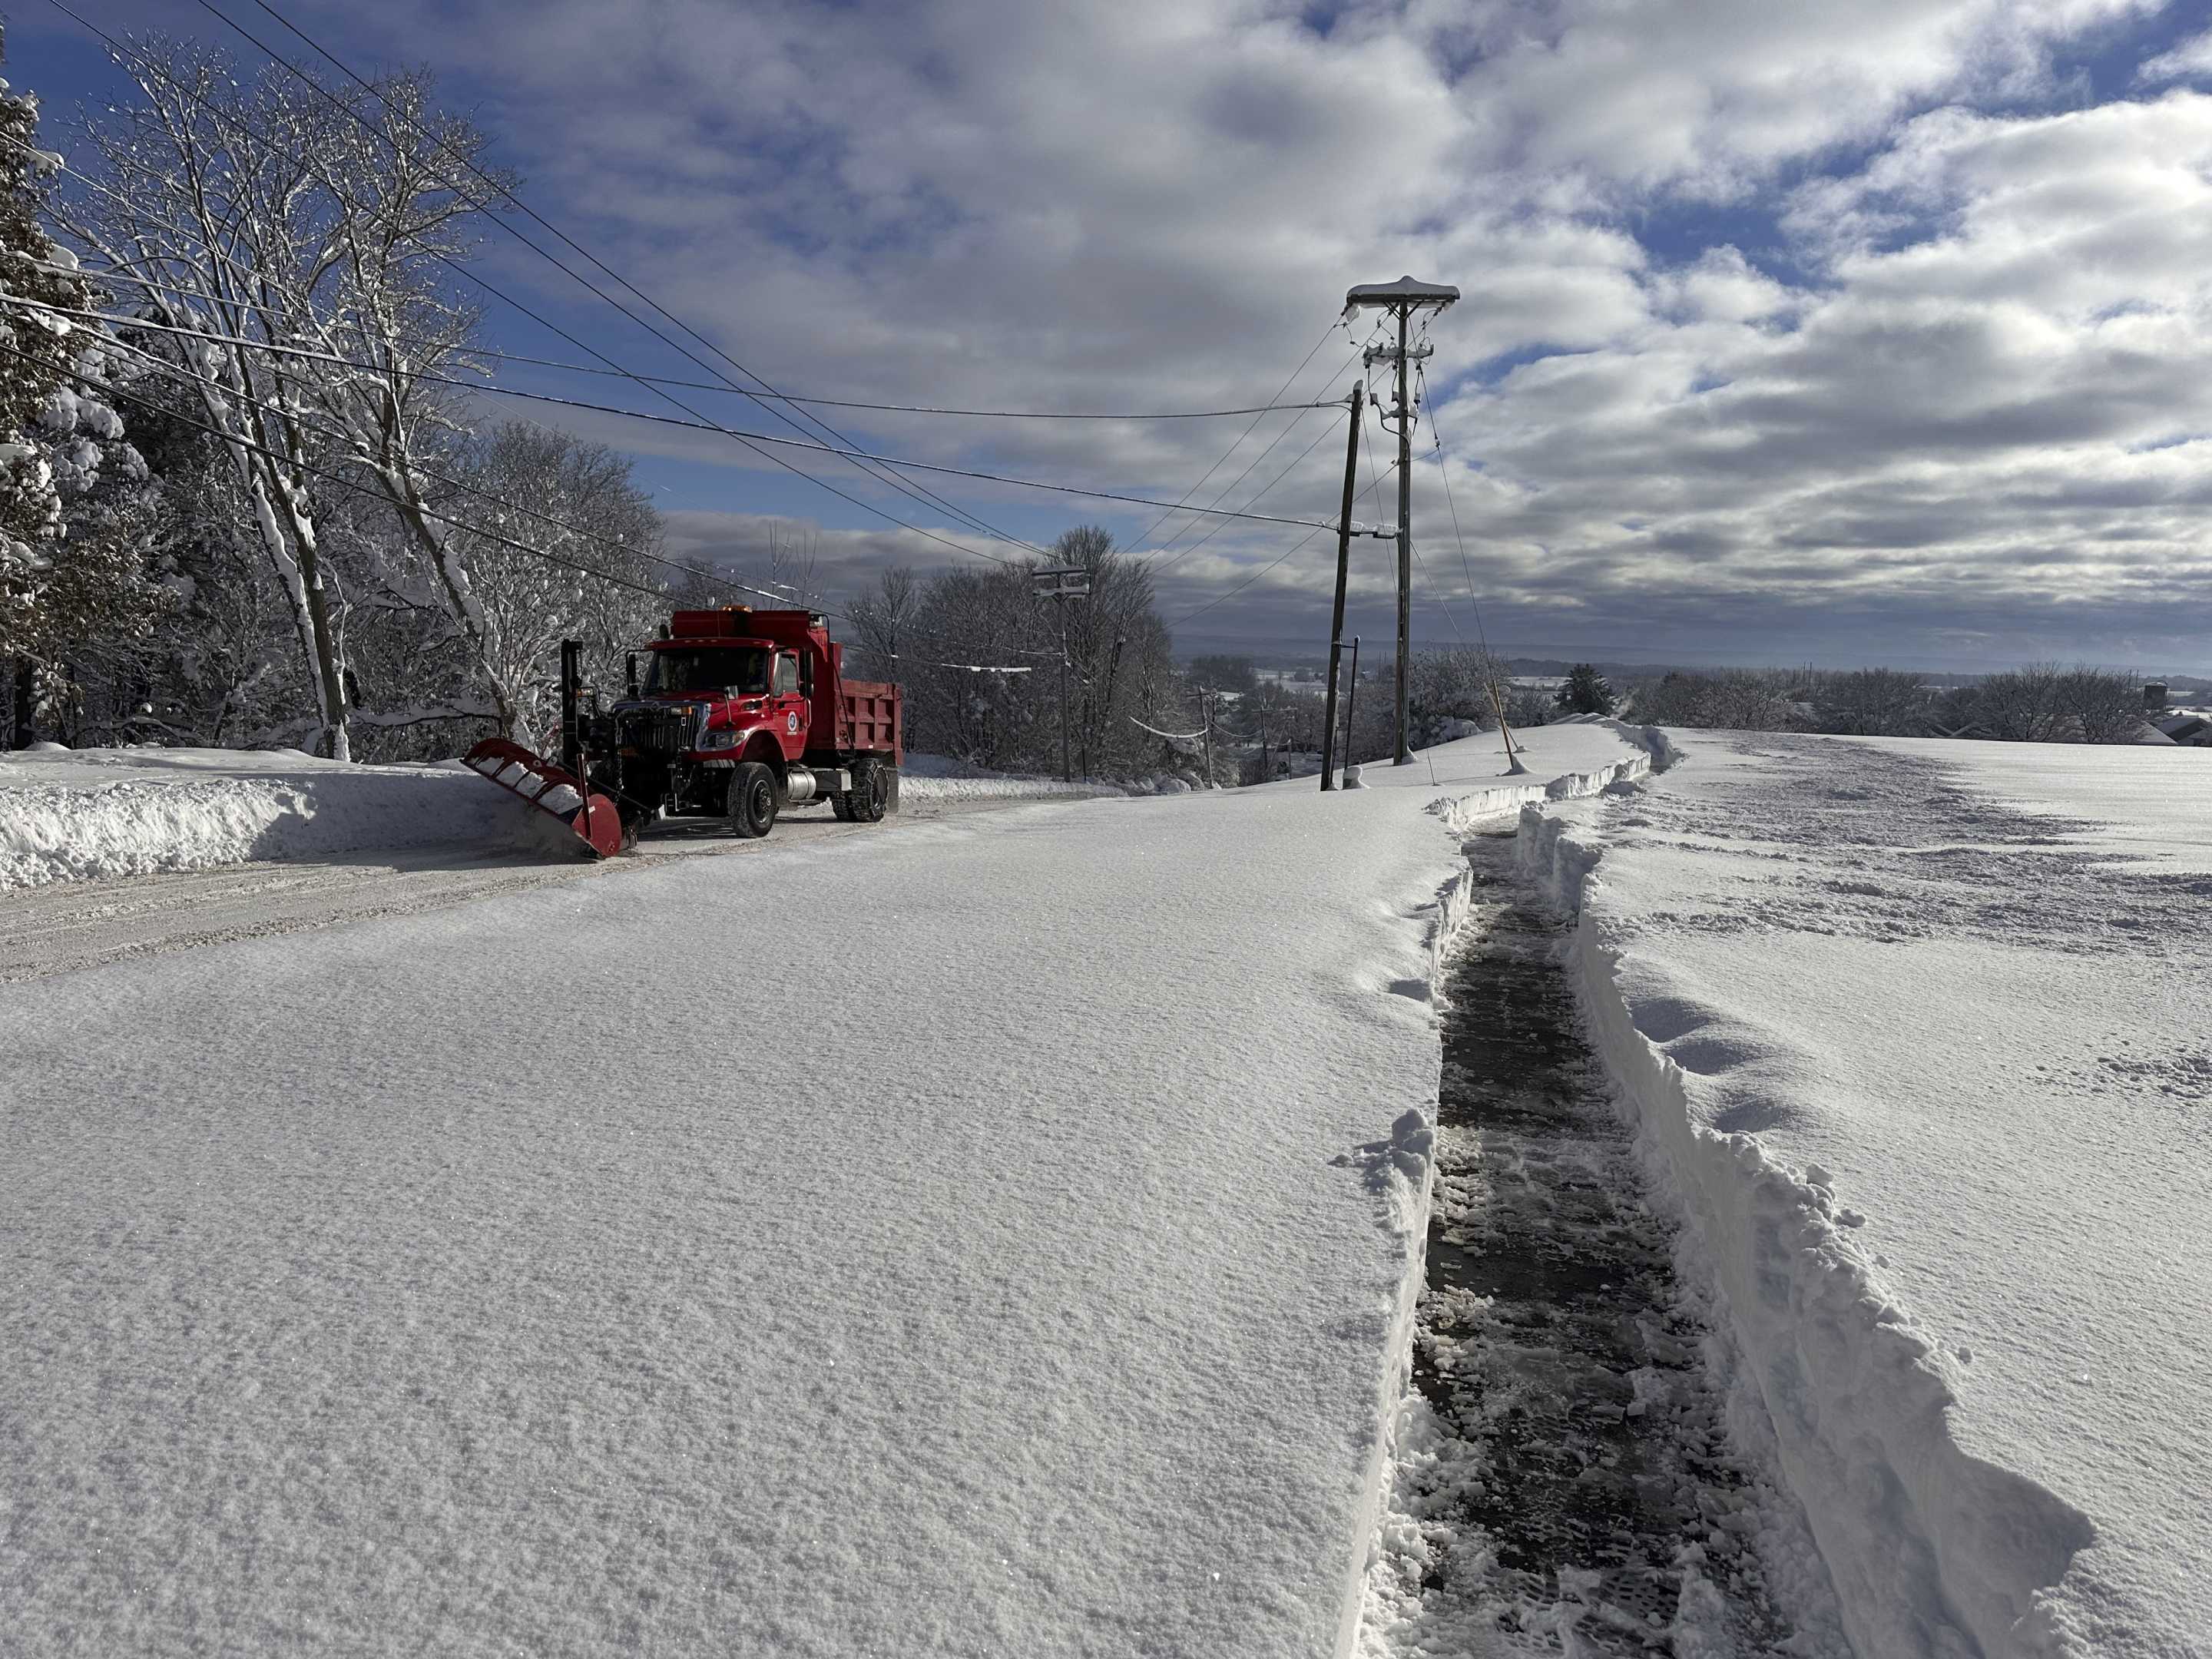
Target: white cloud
<point>1935,388</point>
<point>2189,61</point>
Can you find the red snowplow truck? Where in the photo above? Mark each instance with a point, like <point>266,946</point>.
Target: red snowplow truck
<point>740,712</point>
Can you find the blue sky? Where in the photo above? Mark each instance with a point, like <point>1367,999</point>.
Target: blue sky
<point>1841,334</point>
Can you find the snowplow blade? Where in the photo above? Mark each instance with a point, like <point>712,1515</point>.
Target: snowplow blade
<point>549,789</point>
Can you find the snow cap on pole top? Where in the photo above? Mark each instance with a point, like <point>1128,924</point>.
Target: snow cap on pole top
<point>1403,292</point>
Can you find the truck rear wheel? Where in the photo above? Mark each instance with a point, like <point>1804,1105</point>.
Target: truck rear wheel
<point>874,793</point>
<point>753,799</point>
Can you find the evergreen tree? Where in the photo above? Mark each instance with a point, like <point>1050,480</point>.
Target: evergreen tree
<point>1586,692</point>
<point>75,502</point>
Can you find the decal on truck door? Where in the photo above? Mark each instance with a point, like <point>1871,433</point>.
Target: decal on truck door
<point>790,722</point>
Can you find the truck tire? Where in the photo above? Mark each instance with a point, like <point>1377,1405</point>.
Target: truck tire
<point>874,793</point>
<point>753,799</point>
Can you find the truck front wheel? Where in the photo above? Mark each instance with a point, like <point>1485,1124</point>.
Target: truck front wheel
<point>874,793</point>
<point>753,799</point>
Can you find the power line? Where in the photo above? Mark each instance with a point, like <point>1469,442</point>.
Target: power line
<point>105,391</point>
<point>1443,471</point>
<point>699,425</point>
<point>1265,568</point>
<point>1222,494</point>
<point>1153,527</point>
<point>708,386</point>
<point>1255,496</point>
<point>887,476</point>
<point>1260,456</point>
<point>700,421</point>
<point>887,473</point>
<point>617,544</point>
<point>852,454</point>
<point>555,328</point>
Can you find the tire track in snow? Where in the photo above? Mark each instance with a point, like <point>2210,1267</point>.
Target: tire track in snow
<point>63,926</point>
<point>1568,1480</point>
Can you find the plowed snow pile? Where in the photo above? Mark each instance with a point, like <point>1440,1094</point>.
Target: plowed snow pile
<point>1917,1033</point>
<point>979,1237</point>
<point>72,815</point>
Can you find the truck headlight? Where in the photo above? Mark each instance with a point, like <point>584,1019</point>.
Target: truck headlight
<point>720,738</point>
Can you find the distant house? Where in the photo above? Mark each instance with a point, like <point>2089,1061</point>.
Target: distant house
<point>2188,727</point>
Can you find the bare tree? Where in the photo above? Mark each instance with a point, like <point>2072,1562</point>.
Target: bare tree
<point>1728,699</point>
<point>1872,702</point>
<point>271,214</point>
<point>2104,705</point>
<point>523,605</point>
<point>1116,644</point>
<point>2022,706</point>
<point>401,184</point>
<point>206,186</point>
<point>791,569</point>
<point>881,620</point>
<point>1464,684</point>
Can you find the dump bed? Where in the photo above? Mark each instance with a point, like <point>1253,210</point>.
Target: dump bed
<point>868,719</point>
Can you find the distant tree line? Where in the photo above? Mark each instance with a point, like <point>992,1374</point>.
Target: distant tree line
<point>979,655</point>
<point>2043,702</point>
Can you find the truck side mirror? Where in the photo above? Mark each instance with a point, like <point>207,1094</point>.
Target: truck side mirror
<point>806,672</point>
<point>629,667</point>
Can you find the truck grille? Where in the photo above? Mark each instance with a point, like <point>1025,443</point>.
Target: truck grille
<point>655,730</point>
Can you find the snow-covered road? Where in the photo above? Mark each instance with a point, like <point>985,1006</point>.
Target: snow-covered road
<point>61,926</point>
<point>985,1236</point>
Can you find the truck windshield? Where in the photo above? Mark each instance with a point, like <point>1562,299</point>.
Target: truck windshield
<point>739,668</point>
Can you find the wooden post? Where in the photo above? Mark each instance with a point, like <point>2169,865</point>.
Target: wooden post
<point>1343,571</point>
<point>1066,771</point>
<point>1351,703</point>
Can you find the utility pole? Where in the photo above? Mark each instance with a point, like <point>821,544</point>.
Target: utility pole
<point>1113,678</point>
<point>1343,573</point>
<point>1404,754</point>
<point>1206,701</point>
<point>1401,299</point>
<point>1062,584</point>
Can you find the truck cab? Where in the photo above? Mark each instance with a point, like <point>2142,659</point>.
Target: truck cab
<point>740,712</point>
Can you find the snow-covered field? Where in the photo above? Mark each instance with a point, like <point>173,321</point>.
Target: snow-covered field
<point>1917,1033</point>
<point>987,1236</point>
<point>937,778</point>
